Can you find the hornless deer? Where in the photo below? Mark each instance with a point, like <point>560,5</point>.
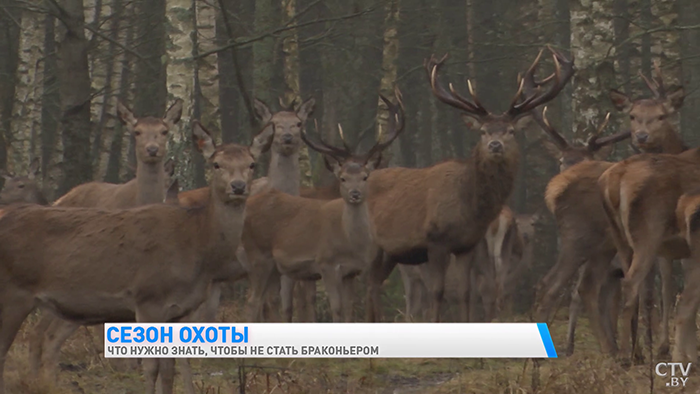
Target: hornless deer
<point>425,215</point>
<point>148,187</point>
<point>510,233</point>
<point>283,175</point>
<point>22,188</point>
<point>627,190</point>
<point>311,239</point>
<point>582,229</point>
<point>154,263</point>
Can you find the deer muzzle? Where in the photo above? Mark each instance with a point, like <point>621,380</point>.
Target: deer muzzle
<point>152,150</point>
<point>642,137</point>
<point>495,146</point>
<point>238,187</point>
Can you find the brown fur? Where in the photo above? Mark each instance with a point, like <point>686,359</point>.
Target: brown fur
<point>149,186</point>
<point>159,271</point>
<point>640,196</point>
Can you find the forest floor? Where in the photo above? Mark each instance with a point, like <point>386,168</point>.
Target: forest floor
<point>586,372</point>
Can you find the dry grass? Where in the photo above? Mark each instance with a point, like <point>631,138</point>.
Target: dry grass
<point>586,372</point>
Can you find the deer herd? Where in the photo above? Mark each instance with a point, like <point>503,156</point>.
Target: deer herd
<point>144,251</point>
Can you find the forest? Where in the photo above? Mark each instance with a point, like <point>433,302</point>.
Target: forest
<point>66,64</point>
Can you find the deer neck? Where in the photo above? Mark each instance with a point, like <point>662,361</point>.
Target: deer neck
<point>492,183</point>
<point>223,228</point>
<point>673,143</point>
<point>150,183</point>
<point>283,173</point>
<point>357,225</point>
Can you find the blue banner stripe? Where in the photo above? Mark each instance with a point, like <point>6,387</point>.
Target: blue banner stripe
<point>547,340</point>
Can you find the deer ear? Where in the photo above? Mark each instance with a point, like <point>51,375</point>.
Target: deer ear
<point>374,162</point>
<point>262,111</point>
<point>472,122</point>
<point>169,167</point>
<point>306,109</point>
<point>522,121</point>
<point>125,115</point>
<point>327,163</point>
<point>171,193</point>
<point>34,168</point>
<point>604,152</point>
<point>333,165</point>
<point>620,100</point>
<point>202,140</point>
<point>262,141</point>
<point>674,99</point>
<point>551,149</point>
<point>174,113</point>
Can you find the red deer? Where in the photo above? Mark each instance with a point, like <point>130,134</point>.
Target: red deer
<point>582,229</point>
<point>144,252</point>
<point>148,187</point>
<point>22,188</point>
<point>629,187</point>
<point>311,239</point>
<point>510,238</point>
<point>451,204</point>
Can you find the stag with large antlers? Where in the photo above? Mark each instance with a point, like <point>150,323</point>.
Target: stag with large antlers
<point>311,239</point>
<point>451,203</point>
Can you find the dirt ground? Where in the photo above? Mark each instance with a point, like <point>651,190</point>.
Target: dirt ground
<point>586,372</point>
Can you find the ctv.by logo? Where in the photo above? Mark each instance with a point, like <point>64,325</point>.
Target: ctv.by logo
<point>662,369</point>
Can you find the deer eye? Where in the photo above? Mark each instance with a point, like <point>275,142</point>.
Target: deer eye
<point>342,179</point>
<point>364,178</point>
<point>252,165</point>
<point>164,132</point>
<point>299,124</point>
<point>20,186</point>
<point>216,166</point>
<point>662,117</point>
<point>137,133</point>
<point>631,117</point>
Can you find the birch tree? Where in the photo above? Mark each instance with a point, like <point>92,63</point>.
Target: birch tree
<point>390,53</point>
<point>26,111</point>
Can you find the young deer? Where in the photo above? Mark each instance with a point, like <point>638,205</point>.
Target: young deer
<point>452,203</point>
<point>148,187</point>
<point>309,239</point>
<point>582,227</point>
<point>159,271</point>
<point>22,189</point>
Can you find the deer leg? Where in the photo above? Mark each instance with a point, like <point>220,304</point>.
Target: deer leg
<point>550,287</point>
<point>36,340</point>
<point>685,347</point>
<point>306,292</point>
<point>409,289</point>
<point>262,274</point>
<point>667,295</point>
<point>332,281</point>
<point>155,369</point>
<point>13,311</point>
<point>54,337</point>
<point>379,270</point>
<point>574,311</point>
<point>348,298</point>
<point>434,273</point>
<point>287,296</point>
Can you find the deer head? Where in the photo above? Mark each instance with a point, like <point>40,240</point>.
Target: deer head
<point>22,188</point>
<point>282,129</point>
<point>232,166</point>
<point>498,130</point>
<point>351,169</point>
<point>150,133</point>
<point>649,117</point>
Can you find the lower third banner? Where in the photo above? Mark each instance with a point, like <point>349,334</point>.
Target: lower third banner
<point>329,340</point>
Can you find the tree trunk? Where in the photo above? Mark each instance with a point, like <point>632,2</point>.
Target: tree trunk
<point>387,83</point>
<point>689,15</point>
<point>10,28</point>
<point>50,113</point>
<point>292,91</point>
<point>26,113</point>
<point>74,90</point>
<point>180,82</point>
